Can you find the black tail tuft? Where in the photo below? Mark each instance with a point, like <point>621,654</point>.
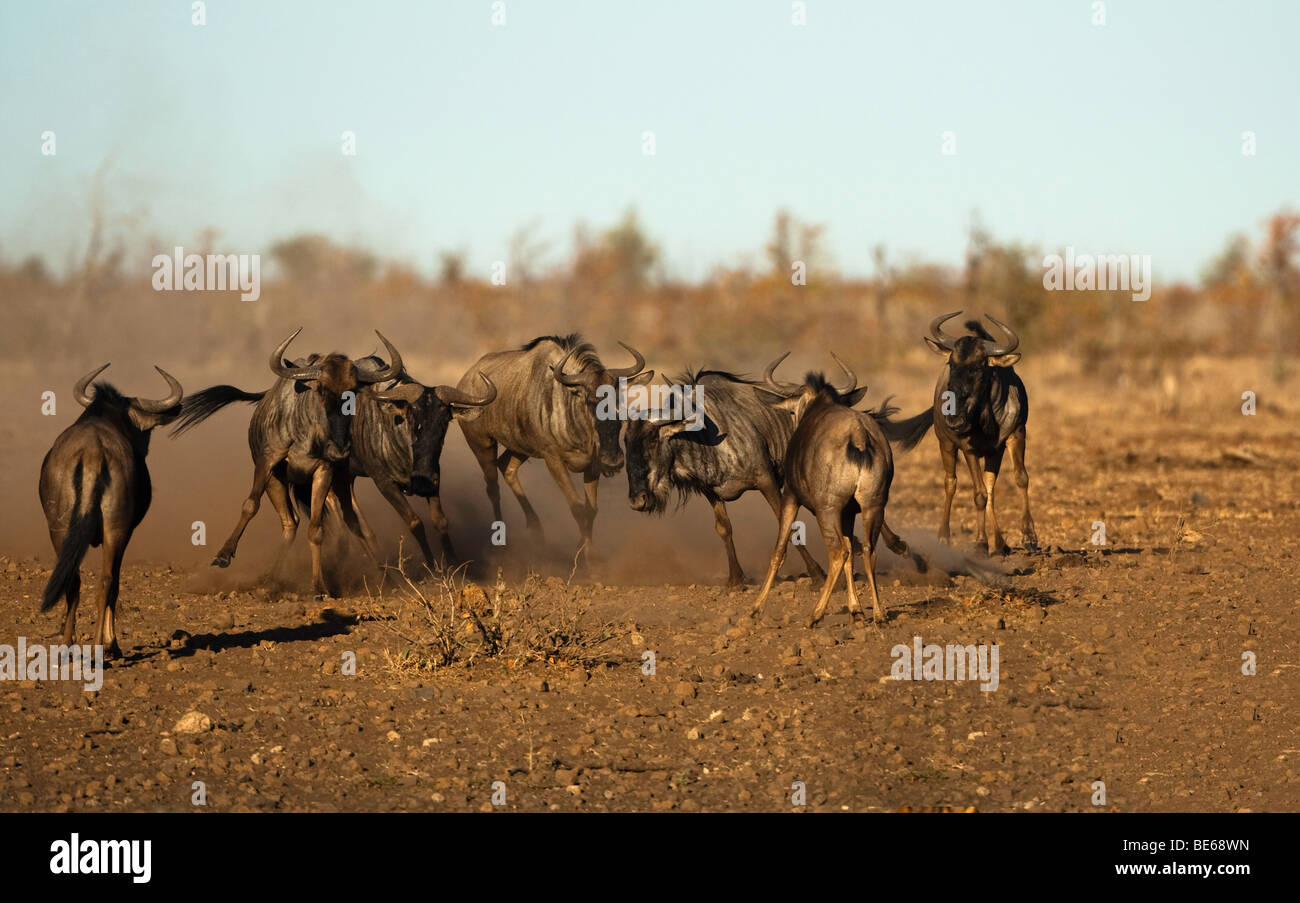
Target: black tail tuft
<point>83,531</point>
<point>858,456</point>
<point>200,406</point>
<point>907,433</point>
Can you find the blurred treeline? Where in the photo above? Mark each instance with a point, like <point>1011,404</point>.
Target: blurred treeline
<point>614,283</point>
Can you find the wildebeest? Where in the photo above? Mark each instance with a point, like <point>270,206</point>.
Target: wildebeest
<point>95,490</point>
<point>980,407</point>
<point>740,447</point>
<point>300,434</point>
<point>838,463</point>
<point>544,410</point>
<point>397,442</point>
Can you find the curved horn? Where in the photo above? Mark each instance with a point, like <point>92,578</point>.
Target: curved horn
<point>280,370</point>
<point>79,391</point>
<point>409,393</point>
<point>629,372</point>
<point>173,398</point>
<point>786,389</point>
<point>558,369</point>
<point>996,350</point>
<point>452,395</point>
<point>395,365</point>
<point>943,341</point>
<point>853,378</point>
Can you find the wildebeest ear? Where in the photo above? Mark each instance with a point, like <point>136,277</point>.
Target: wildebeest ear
<point>790,404</point>
<point>1005,360</point>
<point>146,421</point>
<point>670,428</point>
<point>855,396</point>
<point>465,415</point>
<point>936,347</point>
<point>642,379</point>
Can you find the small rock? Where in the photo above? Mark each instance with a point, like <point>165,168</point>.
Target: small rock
<point>193,723</point>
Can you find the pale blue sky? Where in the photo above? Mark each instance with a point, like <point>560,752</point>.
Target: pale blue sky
<point>1123,138</point>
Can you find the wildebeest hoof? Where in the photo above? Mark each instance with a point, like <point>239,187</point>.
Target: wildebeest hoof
<point>112,652</point>
<point>221,561</point>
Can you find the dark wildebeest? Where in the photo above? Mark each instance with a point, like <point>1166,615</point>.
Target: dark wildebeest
<point>980,406</point>
<point>300,435</point>
<point>95,490</point>
<point>545,411</point>
<point>397,442</point>
<point>740,448</point>
<point>838,464</point>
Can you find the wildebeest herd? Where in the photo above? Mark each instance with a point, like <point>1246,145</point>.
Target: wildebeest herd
<point>329,419</point>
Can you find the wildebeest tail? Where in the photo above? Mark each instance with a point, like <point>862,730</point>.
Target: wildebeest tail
<point>200,406</point>
<point>859,446</point>
<point>83,531</point>
<point>907,433</point>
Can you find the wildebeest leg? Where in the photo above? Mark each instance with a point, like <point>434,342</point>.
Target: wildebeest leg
<point>773,496</point>
<point>277,490</point>
<point>261,474</point>
<point>577,505</point>
<point>873,524</point>
<point>992,464</point>
<point>850,543</point>
<point>948,454</point>
<point>510,463</point>
<point>345,498</point>
<point>408,516</point>
<point>320,488</point>
<point>486,455</point>
<point>836,552</point>
<point>980,495</point>
<point>439,521</point>
<point>722,523</point>
<point>590,485</point>
<point>107,602</point>
<point>896,545</point>
<point>789,507</point>
<point>1016,444</point>
<point>74,590</point>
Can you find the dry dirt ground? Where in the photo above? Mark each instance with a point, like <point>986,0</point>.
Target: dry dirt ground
<point>1120,663</point>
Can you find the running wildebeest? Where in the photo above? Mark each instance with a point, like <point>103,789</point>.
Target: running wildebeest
<point>300,435</point>
<point>397,442</point>
<point>740,448</point>
<point>980,407</point>
<point>544,411</point>
<point>838,464</point>
<point>95,490</point>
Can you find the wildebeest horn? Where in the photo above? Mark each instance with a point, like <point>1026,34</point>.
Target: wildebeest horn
<point>79,391</point>
<point>395,364</point>
<point>936,333</point>
<point>786,389</point>
<point>406,392</point>
<point>853,378</point>
<point>629,372</point>
<point>279,369</point>
<point>996,350</point>
<point>163,404</point>
<point>558,369</point>
<point>452,395</point>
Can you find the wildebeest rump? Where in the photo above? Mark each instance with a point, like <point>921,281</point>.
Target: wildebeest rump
<point>980,407</point>
<point>547,393</point>
<point>838,464</point>
<point>300,434</point>
<point>95,490</point>
<point>397,442</point>
<point>740,448</point>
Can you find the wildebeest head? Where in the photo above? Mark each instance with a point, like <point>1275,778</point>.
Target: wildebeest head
<point>650,461</point>
<point>798,397</point>
<point>969,378</point>
<point>139,414</point>
<point>330,378</point>
<point>423,413</point>
<point>592,380</point>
